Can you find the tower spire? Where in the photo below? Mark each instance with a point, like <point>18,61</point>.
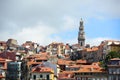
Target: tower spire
<point>81,34</point>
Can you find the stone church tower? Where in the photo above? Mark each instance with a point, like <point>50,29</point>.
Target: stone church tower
<point>81,34</point>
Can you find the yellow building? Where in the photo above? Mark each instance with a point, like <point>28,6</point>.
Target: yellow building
<point>115,47</point>
<point>42,73</point>
<point>55,48</point>
<point>110,45</point>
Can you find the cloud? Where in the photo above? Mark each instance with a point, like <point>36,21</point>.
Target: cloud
<point>39,20</point>
<point>39,33</point>
<point>92,41</point>
<point>98,40</point>
<point>42,33</point>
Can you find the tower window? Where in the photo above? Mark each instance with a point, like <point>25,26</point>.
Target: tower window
<point>81,44</point>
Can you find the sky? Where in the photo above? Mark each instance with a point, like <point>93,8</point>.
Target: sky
<point>46,21</point>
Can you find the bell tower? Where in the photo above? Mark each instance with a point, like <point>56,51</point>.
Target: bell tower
<point>81,34</point>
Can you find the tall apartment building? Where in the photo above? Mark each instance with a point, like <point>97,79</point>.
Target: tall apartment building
<point>114,69</point>
<point>16,71</point>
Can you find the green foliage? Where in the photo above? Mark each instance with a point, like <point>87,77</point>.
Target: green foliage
<point>111,55</point>
<point>102,63</point>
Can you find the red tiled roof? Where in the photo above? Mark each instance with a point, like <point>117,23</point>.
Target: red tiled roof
<point>91,49</point>
<point>65,62</point>
<point>42,69</point>
<point>66,75</point>
<point>91,68</point>
<point>8,55</point>
<point>32,63</point>
<point>1,76</point>
<point>81,61</point>
<point>115,59</point>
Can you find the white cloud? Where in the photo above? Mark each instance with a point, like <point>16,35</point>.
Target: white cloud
<point>42,33</point>
<point>69,23</point>
<point>39,33</point>
<point>91,41</point>
<point>97,41</point>
<point>63,15</point>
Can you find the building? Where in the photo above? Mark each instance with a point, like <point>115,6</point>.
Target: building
<point>42,73</point>
<point>81,71</point>
<point>3,46</point>
<point>66,75</point>
<point>55,48</point>
<point>108,46</point>
<point>3,68</point>
<point>16,71</point>
<point>114,69</point>
<point>67,49</point>
<point>8,55</point>
<point>12,44</point>
<point>115,46</point>
<point>81,34</point>
<point>91,54</point>
<point>91,72</point>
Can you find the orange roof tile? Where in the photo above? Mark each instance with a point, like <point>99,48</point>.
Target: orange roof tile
<point>65,62</point>
<point>81,61</point>
<point>91,68</point>
<point>115,59</point>
<point>74,66</point>
<point>66,75</point>
<point>91,49</point>
<point>31,63</point>
<point>1,76</point>
<point>42,69</point>
<point>41,58</point>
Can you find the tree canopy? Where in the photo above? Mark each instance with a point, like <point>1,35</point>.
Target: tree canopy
<point>111,55</point>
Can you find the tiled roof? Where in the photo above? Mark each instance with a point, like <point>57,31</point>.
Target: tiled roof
<point>67,47</point>
<point>81,61</point>
<point>91,68</point>
<point>8,55</point>
<point>115,59</point>
<point>65,62</point>
<point>32,63</point>
<point>42,69</point>
<point>74,66</point>
<point>4,63</point>
<point>42,58</point>
<point>66,75</point>
<point>91,49</point>
<point>1,76</point>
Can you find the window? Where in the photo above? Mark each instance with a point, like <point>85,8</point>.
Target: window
<point>89,78</point>
<point>81,44</point>
<point>118,77</point>
<point>114,77</point>
<point>41,76</point>
<point>48,77</point>
<point>34,76</point>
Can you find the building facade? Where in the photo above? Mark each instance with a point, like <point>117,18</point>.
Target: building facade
<point>16,71</point>
<point>114,69</point>
<point>42,73</point>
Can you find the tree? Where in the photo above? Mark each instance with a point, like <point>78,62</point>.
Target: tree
<point>111,55</point>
